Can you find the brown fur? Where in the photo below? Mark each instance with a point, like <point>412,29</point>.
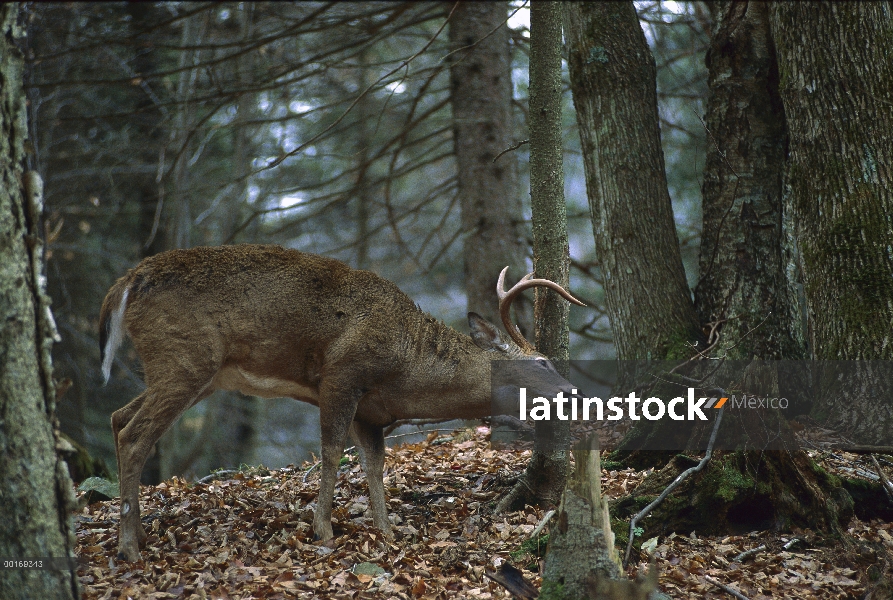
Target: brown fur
<point>276,322</point>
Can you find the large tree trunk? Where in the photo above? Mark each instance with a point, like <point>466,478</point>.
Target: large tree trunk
<point>481,96</point>
<point>36,492</point>
<point>835,81</point>
<point>742,260</point>
<point>613,83</point>
<point>546,473</point>
<point>743,287</point>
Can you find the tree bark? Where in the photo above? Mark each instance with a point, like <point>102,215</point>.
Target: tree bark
<point>481,96</point>
<point>757,478</point>
<point>745,252</point>
<point>743,263</point>
<point>835,78</point>
<point>743,286</point>
<point>36,492</point>
<point>546,473</point>
<point>582,561</point>
<point>612,75</point>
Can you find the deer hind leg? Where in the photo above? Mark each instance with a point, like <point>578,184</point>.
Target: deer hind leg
<point>137,428</point>
<point>336,411</point>
<point>370,440</point>
<point>120,419</point>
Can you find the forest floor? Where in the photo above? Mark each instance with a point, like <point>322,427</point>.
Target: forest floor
<point>248,535</point>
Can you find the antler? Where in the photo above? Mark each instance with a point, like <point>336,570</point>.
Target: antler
<point>506,297</point>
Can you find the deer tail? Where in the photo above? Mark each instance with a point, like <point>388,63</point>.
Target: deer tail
<point>111,324</point>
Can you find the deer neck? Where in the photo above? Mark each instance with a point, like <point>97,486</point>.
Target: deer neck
<point>447,370</point>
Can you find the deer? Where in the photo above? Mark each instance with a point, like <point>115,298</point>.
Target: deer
<point>274,322</point>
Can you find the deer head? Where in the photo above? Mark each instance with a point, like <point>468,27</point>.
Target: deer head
<point>273,322</point>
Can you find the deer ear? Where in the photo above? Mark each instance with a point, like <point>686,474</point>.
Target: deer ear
<point>485,334</point>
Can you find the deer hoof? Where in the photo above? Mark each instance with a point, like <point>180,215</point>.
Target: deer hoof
<point>129,555</point>
<point>322,531</point>
<point>387,530</point>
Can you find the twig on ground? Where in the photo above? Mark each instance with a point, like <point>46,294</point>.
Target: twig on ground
<point>748,553</point>
<point>791,543</point>
<point>319,462</point>
<point>217,475</point>
<point>726,588</point>
<point>863,449</point>
<point>419,432</point>
<point>542,523</point>
<point>308,471</point>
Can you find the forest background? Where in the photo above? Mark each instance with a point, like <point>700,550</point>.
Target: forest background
<point>327,127</point>
<point>393,136</point>
<point>736,162</point>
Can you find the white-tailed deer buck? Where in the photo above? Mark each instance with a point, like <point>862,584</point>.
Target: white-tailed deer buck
<point>273,322</point>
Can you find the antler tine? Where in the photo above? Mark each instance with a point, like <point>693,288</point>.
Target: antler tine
<point>500,285</point>
<point>505,304</point>
<point>506,297</point>
<point>527,283</point>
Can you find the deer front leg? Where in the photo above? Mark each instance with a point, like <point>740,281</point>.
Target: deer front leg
<point>336,411</point>
<point>370,440</point>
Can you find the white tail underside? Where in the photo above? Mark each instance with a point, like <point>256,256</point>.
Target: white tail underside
<point>116,336</point>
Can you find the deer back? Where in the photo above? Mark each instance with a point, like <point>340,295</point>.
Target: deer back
<point>286,315</point>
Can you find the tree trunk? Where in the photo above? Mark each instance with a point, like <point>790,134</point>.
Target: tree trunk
<point>192,33</point>
<point>178,450</point>
<point>758,477</point>
<point>743,270</point>
<point>481,96</point>
<point>365,131</point>
<point>835,82</point>
<point>149,125</point>
<point>612,76</point>
<point>546,473</point>
<point>582,561</point>
<point>36,492</point>
<point>613,81</point>
<point>743,287</point>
